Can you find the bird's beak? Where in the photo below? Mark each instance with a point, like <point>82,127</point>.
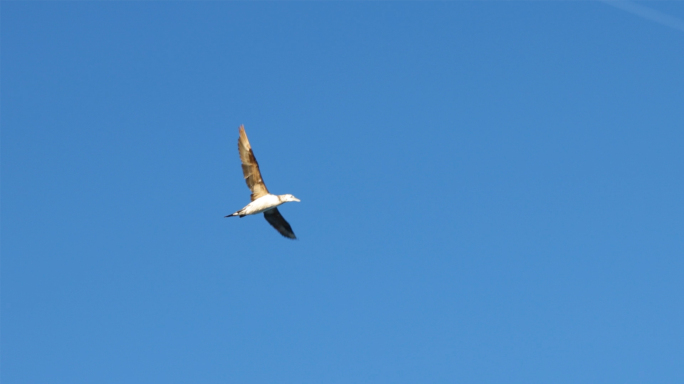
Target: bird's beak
<point>297,200</point>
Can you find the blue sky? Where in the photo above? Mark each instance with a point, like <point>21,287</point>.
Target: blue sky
<point>491,192</point>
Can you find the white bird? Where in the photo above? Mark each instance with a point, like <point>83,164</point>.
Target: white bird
<point>262,200</point>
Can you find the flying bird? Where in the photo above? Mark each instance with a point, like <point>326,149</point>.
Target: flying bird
<point>262,200</point>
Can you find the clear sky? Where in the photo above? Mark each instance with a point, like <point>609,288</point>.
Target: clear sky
<point>491,192</point>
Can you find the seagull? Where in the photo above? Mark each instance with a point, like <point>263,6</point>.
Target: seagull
<point>262,200</point>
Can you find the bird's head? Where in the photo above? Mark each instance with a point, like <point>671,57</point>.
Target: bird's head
<point>287,198</point>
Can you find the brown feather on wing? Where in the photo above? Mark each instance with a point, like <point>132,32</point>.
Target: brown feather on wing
<point>250,167</point>
<point>278,222</point>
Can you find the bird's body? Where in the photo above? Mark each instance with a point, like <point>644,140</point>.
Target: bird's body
<point>262,200</point>
<point>262,204</point>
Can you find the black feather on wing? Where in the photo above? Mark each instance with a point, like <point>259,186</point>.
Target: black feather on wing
<point>278,222</point>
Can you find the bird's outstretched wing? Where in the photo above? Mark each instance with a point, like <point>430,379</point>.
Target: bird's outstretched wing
<point>250,167</point>
<point>278,222</point>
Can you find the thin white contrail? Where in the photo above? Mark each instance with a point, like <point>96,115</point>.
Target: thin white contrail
<point>647,13</point>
